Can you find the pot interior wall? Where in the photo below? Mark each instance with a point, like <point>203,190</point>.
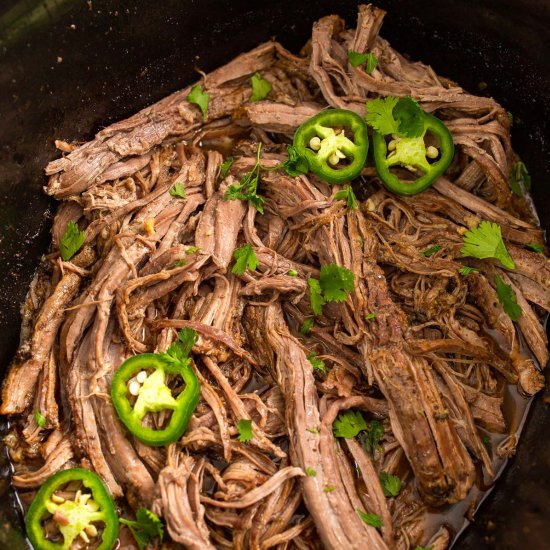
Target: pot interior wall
<point>70,68</point>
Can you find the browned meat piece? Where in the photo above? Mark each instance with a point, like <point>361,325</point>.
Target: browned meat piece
<point>183,515</point>
<point>333,512</point>
<point>19,386</point>
<point>274,117</point>
<point>219,227</point>
<point>413,366</point>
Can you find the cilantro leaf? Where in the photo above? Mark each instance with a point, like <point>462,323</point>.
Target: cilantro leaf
<point>370,519</point>
<point>292,273</point>
<point>536,247</point>
<point>260,87</point>
<point>199,97</point>
<point>177,190</point>
<point>316,298</point>
<point>244,428</point>
<point>180,263</point>
<point>191,249</point>
<point>349,424</point>
<point>356,59</point>
<point>507,299</point>
<point>295,165</point>
<point>187,338</point>
<point>307,325</point>
<point>410,116</point>
<point>390,115</point>
<point>432,250</point>
<point>146,527</point>
<point>336,282</point>
<point>519,179</point>
<point>225,167</point>
<point>317,364</point>
<point>485,241</point>
<point>465,270</point>
<point>347,194</point>
<point>71,242</point>
<point>372,63</point>
<point>329,489</point>
<point>370,316</point>
<point>39,418</point>
<point>380,115</point>
<point>312,430</point>
<point>375,432</point>
<point>179,351</point>
<point>247,188</point>
<point>310,471</point>
<point>245,258</point>
<point>391,484</point>
<point>422,548</point>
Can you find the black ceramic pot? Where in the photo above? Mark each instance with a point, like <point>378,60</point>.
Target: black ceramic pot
<point>69,67</point>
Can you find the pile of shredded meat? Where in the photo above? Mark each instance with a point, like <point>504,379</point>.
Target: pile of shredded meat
<point>433,366</point>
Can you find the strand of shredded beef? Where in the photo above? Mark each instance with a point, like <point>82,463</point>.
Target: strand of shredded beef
<point>430,367</point>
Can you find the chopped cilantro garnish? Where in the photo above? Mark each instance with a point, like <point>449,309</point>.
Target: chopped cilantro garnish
<point>336,282</point>
<point>310,471</point>
<point>317,364</point>
<point>307,325</point>
<point>225,167</point>
<point>356,59</point>
<point>370,519</point>
<point>390,115</point>
<point>199,97</point>
<point>391,484</point>
<point>295,165</point>
<point>380,115</point>
<point>180,263</point>
<point>485,241</point>
<point>244,427</point>
<point>292,273</point>
<point>347,194</point>
<point>465,270</point>
<point>177,190</point>
<point>260,87</point>
<point>507,299</point>
<point>375,432</point>
<point>370,316</point>
<point>146,527</point>
<point>329,489</point>
<point>191,249</point>
<point>432,250</point>
<point>349,424</point>
<point>247,188</point>
<point>410,116</point>
<point>39,418</point>
<point>71,241</point>
<point>316,296</point>
<point>179,351</point>
<point>245,258</point>
<point>312,430</point>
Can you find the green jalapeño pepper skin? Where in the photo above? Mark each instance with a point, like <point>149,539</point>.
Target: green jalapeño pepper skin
<point>412,152</point>
<point>323,126</point>
<point>155,396</point>
<point>78,515</point>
